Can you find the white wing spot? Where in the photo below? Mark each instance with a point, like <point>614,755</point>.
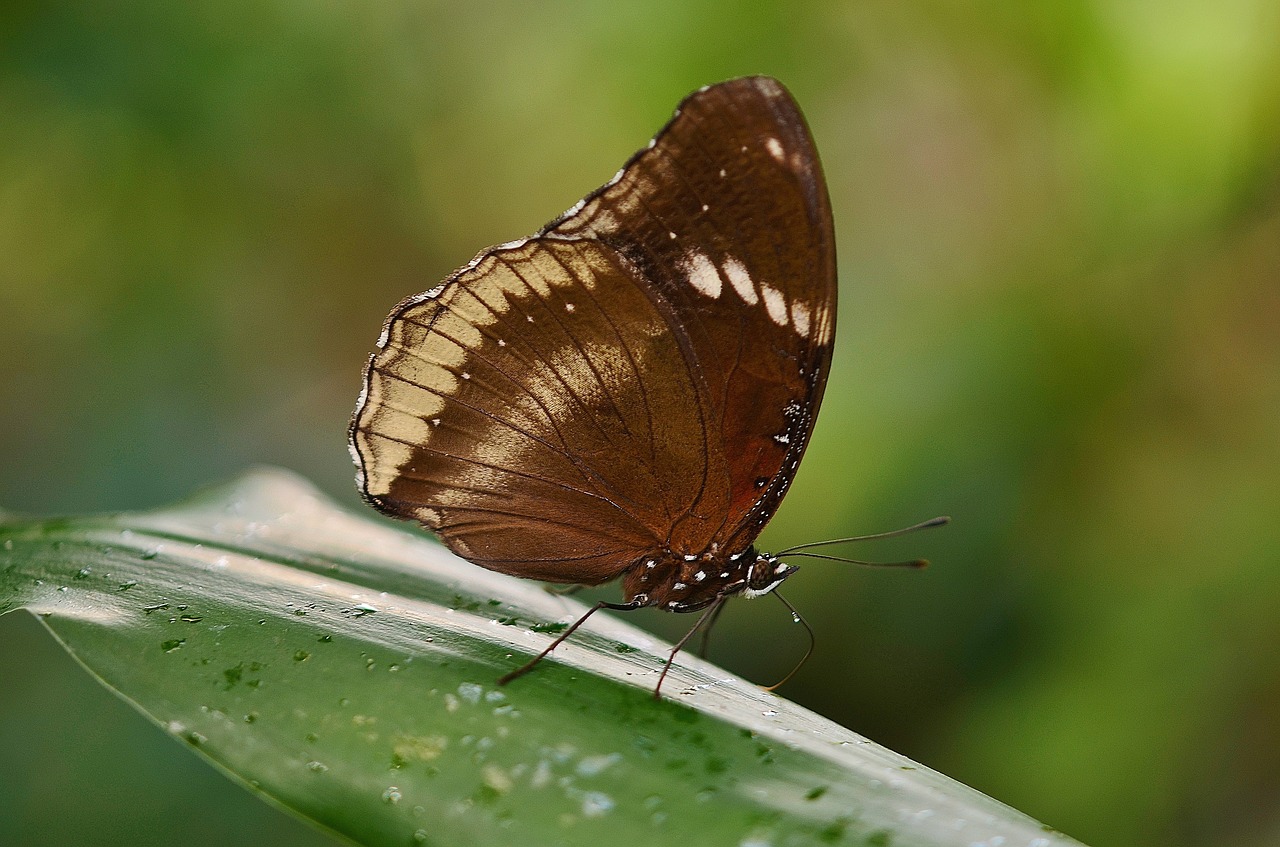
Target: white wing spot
<point>569,307</point>
<point>673,235</point>
<point>465,375</point>
<point>435,422</point>
<point>722,174</point>
<point>775,304</point>
<point>774,146</point>
<point>501,343</point>
<point>679,586</point>
<point>740,280</point>
<point>800,318</point>
<point>702,274</point>
<point>705,207</point>
<point>529,318</point>
<point>700,576</point>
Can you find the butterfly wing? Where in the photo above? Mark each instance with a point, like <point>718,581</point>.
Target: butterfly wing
<point>727,214</point>
<point>536,411</point>
<point>641,375</point>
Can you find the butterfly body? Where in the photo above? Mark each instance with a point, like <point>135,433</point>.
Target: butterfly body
<point>627,392</point>
<point>689,583</point>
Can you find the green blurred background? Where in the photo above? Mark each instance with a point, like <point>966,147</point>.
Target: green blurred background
<point>1059,236</point>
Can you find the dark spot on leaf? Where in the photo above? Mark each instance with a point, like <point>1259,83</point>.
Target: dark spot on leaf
<point>833,831</point>
<point>172,644</point>
<point>486,795</point>
<point>549,627</point>
<point>815,793</point>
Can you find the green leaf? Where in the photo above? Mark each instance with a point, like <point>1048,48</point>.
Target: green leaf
<point>346,670</point>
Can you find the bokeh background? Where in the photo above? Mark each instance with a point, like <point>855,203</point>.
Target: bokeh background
<point>1059,237</point>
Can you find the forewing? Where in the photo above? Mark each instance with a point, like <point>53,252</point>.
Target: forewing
<point>537,412</point>
<point>727,215</point>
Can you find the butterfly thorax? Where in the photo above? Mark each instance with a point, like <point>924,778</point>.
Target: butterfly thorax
<point>687,583</point>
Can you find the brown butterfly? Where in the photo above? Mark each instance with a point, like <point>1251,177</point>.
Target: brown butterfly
<point>627,392</point>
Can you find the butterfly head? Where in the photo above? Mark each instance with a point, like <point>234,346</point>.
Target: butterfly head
<point>687,583</point>
<point>765,574</point>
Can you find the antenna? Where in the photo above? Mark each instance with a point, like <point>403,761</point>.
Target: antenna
<point>941,520</point>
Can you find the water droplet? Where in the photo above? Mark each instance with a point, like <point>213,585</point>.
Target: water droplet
<point>301,656</point>
<point>769,713</point>
<point>196,738</point>
<point>596,804</point>
<point>83,573</point>
<point>420,836</point>
<point>127,584</point>
<point>252,717</point>
<point>592,765</point>
<point>172,644</point>
<point>317,767</point>
<point>392,795</point>
<point>191,618</point>
<point>470,692</point>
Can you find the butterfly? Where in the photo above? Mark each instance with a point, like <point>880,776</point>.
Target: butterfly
<point>626,393</point>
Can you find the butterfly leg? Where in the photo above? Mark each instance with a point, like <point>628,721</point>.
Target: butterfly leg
<point>528,666</point>
<point>706,631</point>
<point>709,614</point>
